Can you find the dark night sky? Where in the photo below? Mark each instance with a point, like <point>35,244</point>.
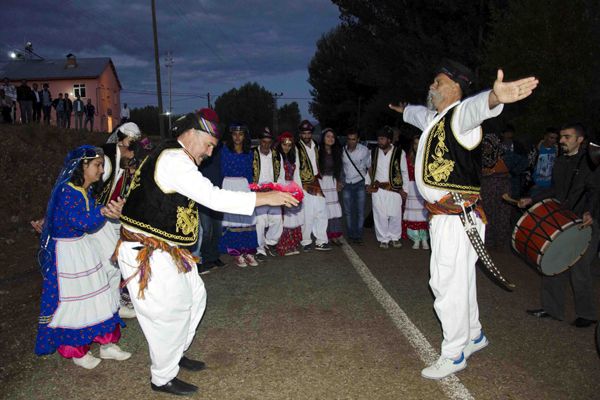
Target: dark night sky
<point>216,45</point>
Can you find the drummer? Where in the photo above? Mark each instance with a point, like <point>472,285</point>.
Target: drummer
<point>575,186</point>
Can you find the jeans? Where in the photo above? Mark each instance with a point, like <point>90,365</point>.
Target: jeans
<point>91,121</point>
<point>353,197</point>
<point>78,120</point>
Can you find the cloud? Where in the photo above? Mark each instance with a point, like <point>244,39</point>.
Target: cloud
<point>215,44</point>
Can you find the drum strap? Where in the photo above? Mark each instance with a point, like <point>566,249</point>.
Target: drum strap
<point>468,222</point>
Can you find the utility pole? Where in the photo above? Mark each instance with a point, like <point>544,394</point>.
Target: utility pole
<point>275,119</point>
<point>157,66</point>
<point>169,65</point>
<point>208,99</point>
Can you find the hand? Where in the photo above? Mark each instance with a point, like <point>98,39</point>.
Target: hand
<point>113,208</point>
<point>399,107</point>
<point>524,202</point>
<point>275,198</point>
<point>339,186</point>
<point>37,225</point>
<point>511,92</point>
<point>371,188</point>
<point>587,219</point>
<point>403,194</point>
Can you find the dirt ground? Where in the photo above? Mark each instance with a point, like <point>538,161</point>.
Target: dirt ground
<point>301,327</point>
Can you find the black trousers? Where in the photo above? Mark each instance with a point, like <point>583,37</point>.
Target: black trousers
<point>554,287</point>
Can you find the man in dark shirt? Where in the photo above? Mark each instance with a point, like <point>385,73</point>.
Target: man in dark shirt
<point>575,186</point>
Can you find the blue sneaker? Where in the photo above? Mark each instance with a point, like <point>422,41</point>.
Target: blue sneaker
<point>444,367</point>
<point>475,345</point>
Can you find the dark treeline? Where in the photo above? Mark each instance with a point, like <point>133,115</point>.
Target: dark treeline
<point>386,50</point>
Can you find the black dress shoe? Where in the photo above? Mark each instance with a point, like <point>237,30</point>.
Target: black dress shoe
<point>540,313</point>
<point>583,322</point>
<point>176,387</point>
<point>191,365</point>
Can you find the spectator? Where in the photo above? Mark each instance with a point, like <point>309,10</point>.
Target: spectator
<point>37,103</point>
<point>68,110</point>
<point>46,103</point>
<point>330,166</point>
<point>59,107</point>
<point>11,95</point>
<point>356,159</point>
<point>125,113</point>
<point>25,98</point>
<point>5,104</point>
<point>495,181</point>
<point>515,157</point>
<point>78,109</point>
<point>90,111</point>
<point>544,155</point>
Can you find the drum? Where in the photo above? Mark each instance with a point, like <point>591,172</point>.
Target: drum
<point>550,237</point>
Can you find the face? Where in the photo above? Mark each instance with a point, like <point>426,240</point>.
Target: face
<point>383,142</point>
<point>199,144</point>
<point>238,137</point>
<point>329,138</point>
<point>507,136</point>
<point>550,139</point>
<point>89,101</point>
<point>442,91</point>
<point>306,136</point>
<point>352,141</point>
<point>569,141</point>
<point>124,148</point>
<point>93,170</point>
<point>265,145</point>
<point>286,146</point>
<point>60,95</point>
<point>35,86</point>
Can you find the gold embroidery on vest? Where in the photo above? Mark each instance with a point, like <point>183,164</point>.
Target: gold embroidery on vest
<point>135,182</point>
<point>256,166</point>
<point>439,169</point>
<point>396,175</point>
<point>306,173</point>
<point>187,219</point>
<point>276,165</point>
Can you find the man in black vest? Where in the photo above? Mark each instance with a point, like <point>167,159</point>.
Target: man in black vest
<point>448,164</point>
<point>575,185</point>
<point>160,220</point>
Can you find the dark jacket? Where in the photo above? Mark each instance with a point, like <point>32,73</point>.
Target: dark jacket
<point>575,184</point>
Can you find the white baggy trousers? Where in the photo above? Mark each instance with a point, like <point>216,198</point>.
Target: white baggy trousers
<point>453,282</point>
<point>315,219</point>
<point>170,311</point>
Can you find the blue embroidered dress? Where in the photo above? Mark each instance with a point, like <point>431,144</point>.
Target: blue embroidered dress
<point>239,231</point>
<point>77,302</point>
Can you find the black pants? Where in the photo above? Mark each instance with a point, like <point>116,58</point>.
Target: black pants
<point>554,287</point>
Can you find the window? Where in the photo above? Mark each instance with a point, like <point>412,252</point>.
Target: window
<point>79,89</point>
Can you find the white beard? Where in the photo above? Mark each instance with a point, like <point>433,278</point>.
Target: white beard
<point>432,98</point>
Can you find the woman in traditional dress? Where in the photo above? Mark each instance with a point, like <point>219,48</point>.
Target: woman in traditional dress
<point>330,168</point>
<point>293,217</point>
<point>239,238</point>
<point>78,306</point>
<point>415,225</point>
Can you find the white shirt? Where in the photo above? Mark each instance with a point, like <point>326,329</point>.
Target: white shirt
<point>125,112</point>
<point>466,124</point>
<point>266,169</point>
<point>361,156</point>
<point>312,156</point>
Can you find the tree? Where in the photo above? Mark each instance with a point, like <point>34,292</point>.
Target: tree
<point>288,116</point>
<point>251,104</point>
<point>558,43</point>
<point>386,50</point>
<point>147,119</point>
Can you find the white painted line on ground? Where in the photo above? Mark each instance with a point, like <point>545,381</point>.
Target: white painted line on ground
<point>451,386</point>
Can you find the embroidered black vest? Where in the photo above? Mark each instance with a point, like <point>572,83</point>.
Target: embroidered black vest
<point>110,151</point>
<point>395,173</point>
<point>165,215</point>
<point>447,164</point>
<point>256,165</point>
<point>307,174</point>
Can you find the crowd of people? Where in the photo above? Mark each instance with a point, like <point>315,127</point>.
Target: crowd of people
<point>36,106</point>
<point>152,219</point>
